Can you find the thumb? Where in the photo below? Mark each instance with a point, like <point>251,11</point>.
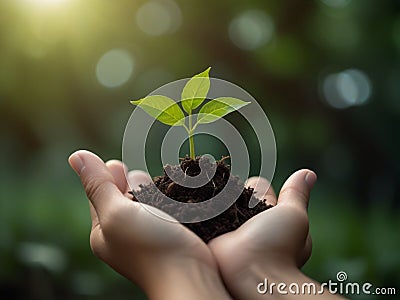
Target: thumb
<point>296,190</point>
<point>96,178</point>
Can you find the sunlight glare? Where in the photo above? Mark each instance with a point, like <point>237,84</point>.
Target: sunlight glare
<point>47,2</point>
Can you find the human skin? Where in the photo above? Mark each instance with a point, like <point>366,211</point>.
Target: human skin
<point>168,261</point>
<point>274,244</point>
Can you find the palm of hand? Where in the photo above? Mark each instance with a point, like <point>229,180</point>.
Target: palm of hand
<point>132,225</point>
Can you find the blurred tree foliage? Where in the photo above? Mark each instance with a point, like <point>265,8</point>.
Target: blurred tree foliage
<point>56,98</point>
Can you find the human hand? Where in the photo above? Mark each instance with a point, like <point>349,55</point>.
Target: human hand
<point>164,258</point>
<point>273,242</point>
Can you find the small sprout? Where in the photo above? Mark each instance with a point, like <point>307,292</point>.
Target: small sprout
<point>194,93</point>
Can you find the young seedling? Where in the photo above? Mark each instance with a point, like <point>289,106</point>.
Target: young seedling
<point>193,110</point>
<point>167,111</point>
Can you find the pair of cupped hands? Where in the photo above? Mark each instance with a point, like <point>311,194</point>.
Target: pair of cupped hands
<point>168,260</point>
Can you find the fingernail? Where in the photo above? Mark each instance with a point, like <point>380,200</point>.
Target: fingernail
<point>310,179</point>
<point>76,164</point>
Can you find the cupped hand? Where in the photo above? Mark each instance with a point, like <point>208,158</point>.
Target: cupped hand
<point>275,239</point>
<point>135,242</point>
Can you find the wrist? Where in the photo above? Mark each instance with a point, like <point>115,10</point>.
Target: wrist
<point>276,281</point>
<point>185,278</point>
<point>254,280</point>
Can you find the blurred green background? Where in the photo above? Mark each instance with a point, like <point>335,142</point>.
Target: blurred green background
<point>327,73</point>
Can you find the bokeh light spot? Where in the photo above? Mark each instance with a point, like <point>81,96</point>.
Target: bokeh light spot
<point>251,29</point>
<point>86,283</point>
<point>48,256</point>
<point>348,88</point>
<point>159,17</point>
<point>114,68</point>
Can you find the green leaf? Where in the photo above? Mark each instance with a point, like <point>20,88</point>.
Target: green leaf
<point>218,108</point>
<point>162,108</point>
<point>195,91</point>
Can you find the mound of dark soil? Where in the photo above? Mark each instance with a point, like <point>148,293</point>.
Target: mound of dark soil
<point>229,220</point>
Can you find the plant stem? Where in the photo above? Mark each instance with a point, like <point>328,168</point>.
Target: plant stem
<point>191,140</point>
<point>191,143</point>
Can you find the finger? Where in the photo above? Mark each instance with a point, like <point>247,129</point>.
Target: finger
<point>296,190</point>
<point>97,180</point>
<point>262,189</point>
<point>137,178</point>
<point>119,172</point>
